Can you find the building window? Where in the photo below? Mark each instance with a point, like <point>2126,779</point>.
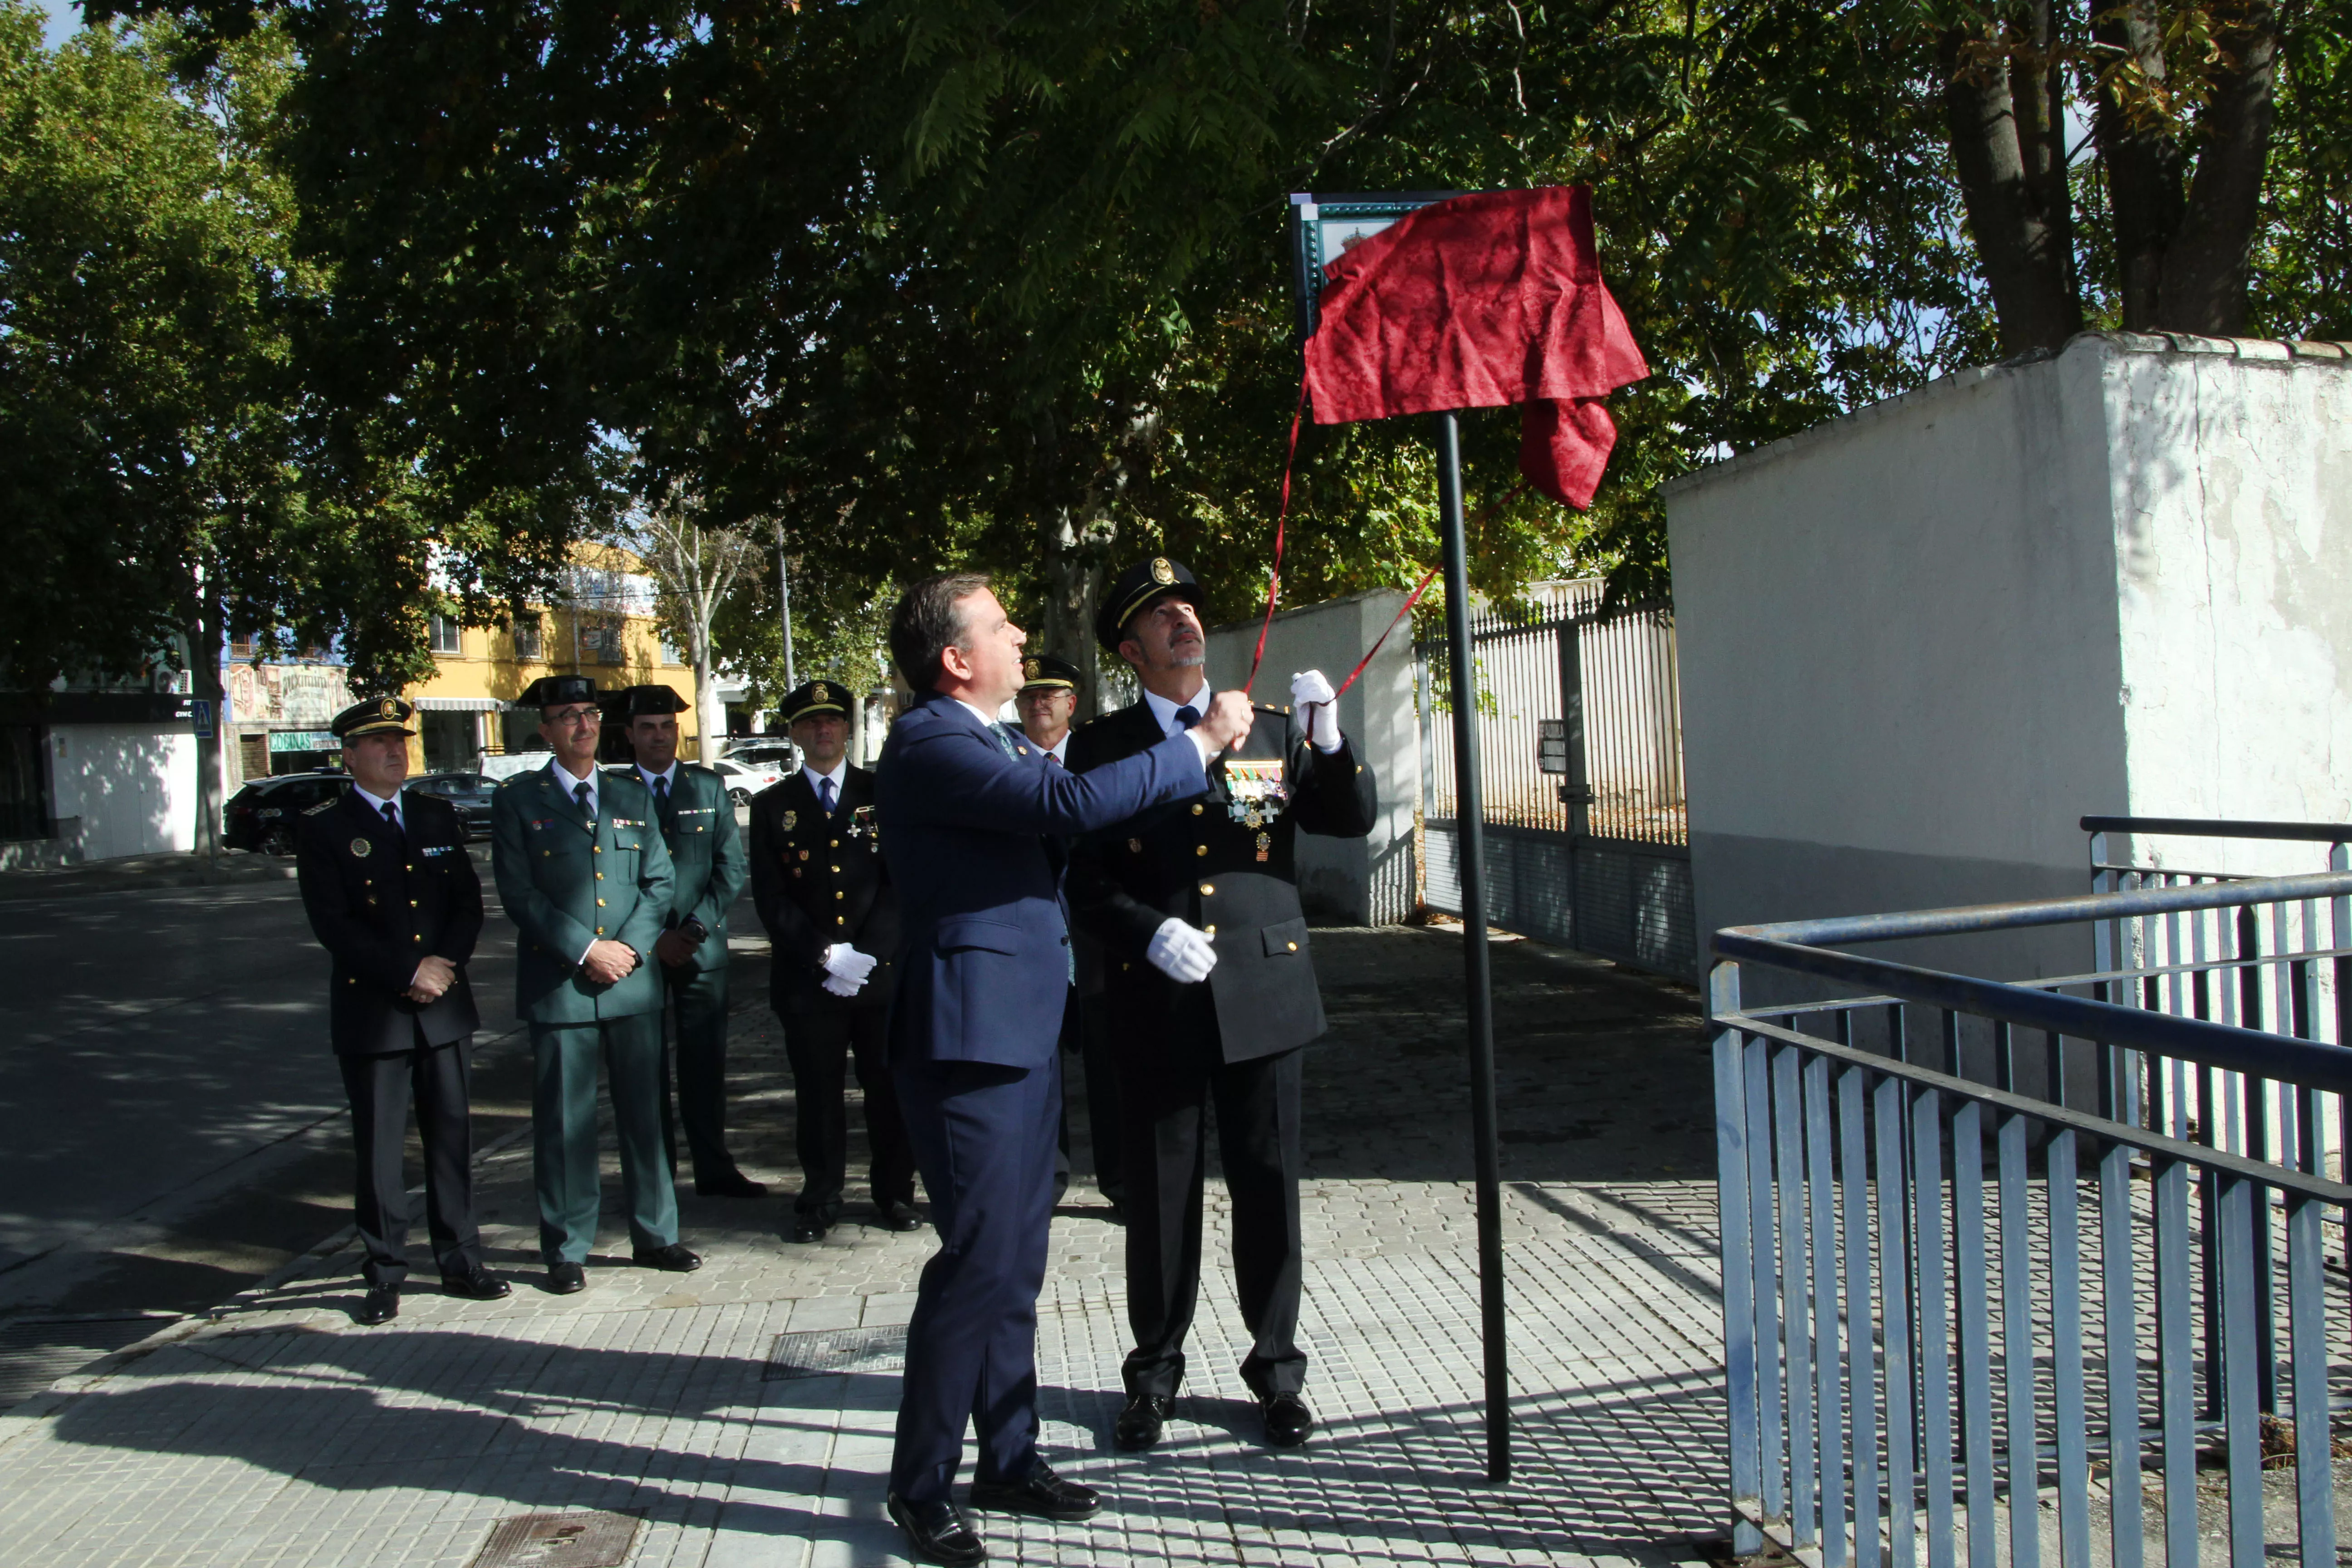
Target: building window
<point>601,640</point>
<point>528,646</point>
<point>669,650</point>
<point>444,634</point>
<point>240,645</point>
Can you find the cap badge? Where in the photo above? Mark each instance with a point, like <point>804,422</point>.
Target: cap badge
<point>388,709</point>
<point>1031,669</point>
<point>1161,573</point>
<point>818,693</point>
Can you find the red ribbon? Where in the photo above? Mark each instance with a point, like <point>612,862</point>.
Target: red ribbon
<point>1274,582</point>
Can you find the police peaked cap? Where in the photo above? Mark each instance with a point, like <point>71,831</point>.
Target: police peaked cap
<point>554,690</point>
<point>814,698</point>
<point>376,716</point>
<point>1043,669</point>
<point>1137,586</point>
<point>639,701</point>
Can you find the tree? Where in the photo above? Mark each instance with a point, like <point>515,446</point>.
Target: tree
<point>695,567</point>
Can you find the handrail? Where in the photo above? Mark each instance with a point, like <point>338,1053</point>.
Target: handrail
<point>2203,827</point>
<point>1967,918</point>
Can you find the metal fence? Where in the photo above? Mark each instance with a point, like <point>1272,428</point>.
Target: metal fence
<point>1579,734</point>
<point>1927,1358</point>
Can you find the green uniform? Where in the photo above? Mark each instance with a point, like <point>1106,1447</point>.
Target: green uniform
<point>567,881</point>
<point>706,852</point>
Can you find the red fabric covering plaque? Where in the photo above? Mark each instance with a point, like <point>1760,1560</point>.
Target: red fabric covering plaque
<point>1478,302</point>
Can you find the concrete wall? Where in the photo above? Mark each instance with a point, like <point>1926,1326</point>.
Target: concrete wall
<point>1372,880</point>
<point>132,788</point>
<point>1920,643</point>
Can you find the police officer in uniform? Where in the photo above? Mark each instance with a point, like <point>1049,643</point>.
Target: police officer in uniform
<point>1209,992</point>
<point>585,877</point>
<point>823,893</point>
<point>1047,700</point>
<point>706,857</point>
<point>395,901</point>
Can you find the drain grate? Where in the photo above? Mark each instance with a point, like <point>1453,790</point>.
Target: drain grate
<point>590,1539</point>
<point>829,1352</point>
<point>35,1353</point>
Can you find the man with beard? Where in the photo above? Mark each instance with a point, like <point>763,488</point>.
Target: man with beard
<point>1209,992</point>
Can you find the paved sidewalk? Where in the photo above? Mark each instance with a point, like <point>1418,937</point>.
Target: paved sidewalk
<point>134,871</point>
<point>741,1416</point>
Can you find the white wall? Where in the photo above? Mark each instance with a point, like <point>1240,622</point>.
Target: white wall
<point>1366,880</point>
<point>1920,643</point>
<point>132,788</point>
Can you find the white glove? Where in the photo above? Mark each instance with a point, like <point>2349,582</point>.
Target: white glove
<point>847,969</point>
<point>1318,709</point>
<point>1182,952</point>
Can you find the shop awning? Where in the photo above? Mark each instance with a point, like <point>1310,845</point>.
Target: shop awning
<point>459,705</point>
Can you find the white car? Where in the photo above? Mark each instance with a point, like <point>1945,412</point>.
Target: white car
<point>745,780</point>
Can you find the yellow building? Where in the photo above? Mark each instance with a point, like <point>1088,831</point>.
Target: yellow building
<point>604,627</point>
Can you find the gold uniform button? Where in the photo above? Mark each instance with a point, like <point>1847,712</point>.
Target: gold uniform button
<point>600,876</point>
<point>1196,811</point>
<point>836,843</point>
<point>1200,850</point>
<point>835,870</point>
<point>412,903</point>
<point>1208,931</point>
<point>600,931</point>
<point>416,938</point>
<point>597,848</point>
<point>1206,889</point>
<point>841,919</point>
<point>839,894</point>
<point>599,903</point>
<point>1294,947</point>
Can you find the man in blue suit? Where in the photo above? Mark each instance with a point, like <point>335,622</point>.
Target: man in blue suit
<point>973,821</point>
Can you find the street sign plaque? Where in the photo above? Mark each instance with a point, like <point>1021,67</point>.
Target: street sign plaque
<point>1324,225</point>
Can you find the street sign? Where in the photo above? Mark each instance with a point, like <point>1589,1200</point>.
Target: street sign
<point>200,717</point>
<point>1323,227</point>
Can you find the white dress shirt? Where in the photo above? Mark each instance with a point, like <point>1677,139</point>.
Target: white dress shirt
<point>839,775</point>
<point>567,783</point>
<point>377,804</point>
<point>657,781</point>
<point>1165,711</point>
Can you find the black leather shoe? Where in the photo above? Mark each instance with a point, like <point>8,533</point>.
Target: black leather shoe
<point>900,1217</point>
<point>809,1227</point>
<point>935,1531</point>
<point>1287,1419</point>
<point>733,1184</point>
<point>477,1284</point>
<point>674,1258</point>
<point>381,1305</point>
<point>566,1279</point>
<point>1039,1494</point>
<point>1139,1426</point>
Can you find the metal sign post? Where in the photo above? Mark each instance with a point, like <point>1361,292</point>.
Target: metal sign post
<point>1470,867</point>
<point>1322,227</point>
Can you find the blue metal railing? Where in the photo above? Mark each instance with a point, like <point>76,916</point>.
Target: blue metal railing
<point>1918,1352</point>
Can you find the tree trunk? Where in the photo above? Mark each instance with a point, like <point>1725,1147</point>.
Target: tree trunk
<point>709,713</point>
<point>204,635</point>
<point>2182,255</point>
<point>1077,562</point>
<point>2008,137</point>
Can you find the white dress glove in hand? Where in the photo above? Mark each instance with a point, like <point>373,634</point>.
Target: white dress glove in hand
<point>847,969</point>
<point>1318,709</point>
<point>1182,952</point>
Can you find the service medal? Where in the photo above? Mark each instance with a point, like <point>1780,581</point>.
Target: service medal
<point>361,847</point>
<point>792,820</point>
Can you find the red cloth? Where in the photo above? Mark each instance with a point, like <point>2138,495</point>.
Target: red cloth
<point>1478,302</point>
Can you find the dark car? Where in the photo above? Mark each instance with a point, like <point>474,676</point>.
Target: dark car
<point>261,815</point>
<point>469,792</point>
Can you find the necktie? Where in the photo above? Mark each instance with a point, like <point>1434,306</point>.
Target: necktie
<point>1188,716</point>
<point>661,789</point>
<point>1052,759</point>
<point>392,815</point>
<point>824,795</point>
<point>579,794</point>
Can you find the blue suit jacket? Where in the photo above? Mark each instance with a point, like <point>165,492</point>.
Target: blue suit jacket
<point>971,822</point>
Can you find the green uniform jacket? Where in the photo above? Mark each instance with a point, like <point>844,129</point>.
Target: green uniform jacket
<point>706,852</point>
<point>565,883</point>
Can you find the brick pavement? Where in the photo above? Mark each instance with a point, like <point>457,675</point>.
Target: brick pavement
<point>743,1412</point>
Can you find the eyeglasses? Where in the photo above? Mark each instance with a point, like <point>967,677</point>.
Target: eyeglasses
<point>575,716</point>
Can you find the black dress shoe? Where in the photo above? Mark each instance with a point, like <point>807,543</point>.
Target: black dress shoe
<point>1287,1419</point>
<point>477,1284</point>
<point>810,1227</point>
<point>935,1531</point>
<point>674,1258</point>
<point>900,1217</point>
<point>1039,1494</point>
<point>566,1279</point>
<point>381,1305</point>
<point>733,1184</point>
<point>1139,1426</point>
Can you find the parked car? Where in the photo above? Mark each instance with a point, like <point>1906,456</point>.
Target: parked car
<point>469,792</point>
<point>770,750</point>
<point>260,816</point>
<point>745,780</point>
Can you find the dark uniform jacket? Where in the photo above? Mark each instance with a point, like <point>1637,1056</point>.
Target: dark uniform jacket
<point>706,857</point>
<point>819,880</point>
<point>380,901</point>
<point>1224,864</point>
<point>565,880</point>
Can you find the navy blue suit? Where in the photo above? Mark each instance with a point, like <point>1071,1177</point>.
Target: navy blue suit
<point>972,822</point>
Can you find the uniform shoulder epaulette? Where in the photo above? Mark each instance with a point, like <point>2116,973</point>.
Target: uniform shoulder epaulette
<point>329,805</point>
<point>516,778</point>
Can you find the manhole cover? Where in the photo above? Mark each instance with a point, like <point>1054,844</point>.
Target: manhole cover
<point>828,1352</point>
<point>595,1539</point>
